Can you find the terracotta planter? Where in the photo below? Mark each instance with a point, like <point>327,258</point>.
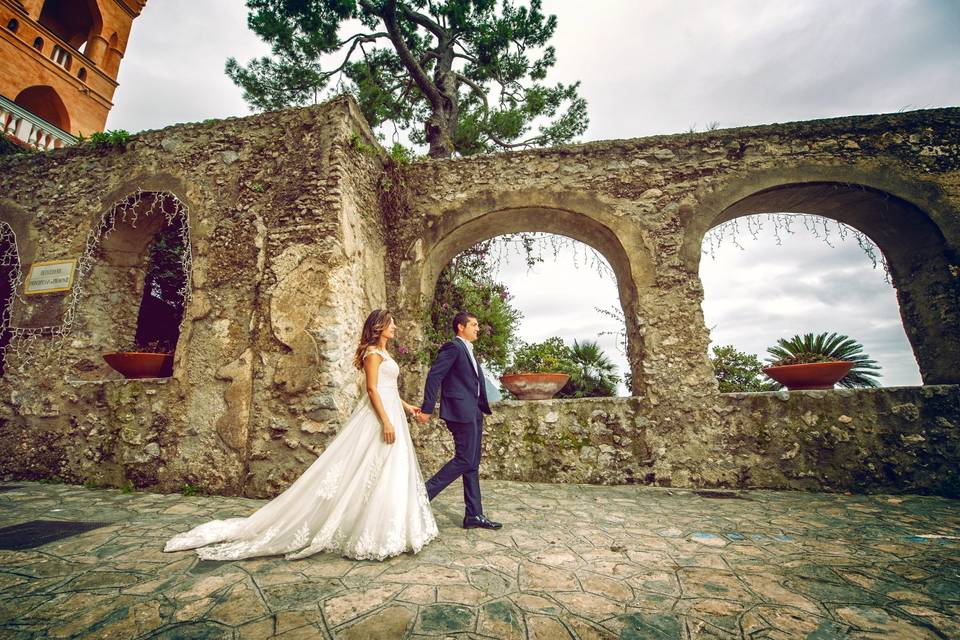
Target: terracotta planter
<point>816,375</point>
<point>534,386</point>
<point>133,364</point>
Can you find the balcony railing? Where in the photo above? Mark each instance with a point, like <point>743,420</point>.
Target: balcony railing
<point>31,130</point>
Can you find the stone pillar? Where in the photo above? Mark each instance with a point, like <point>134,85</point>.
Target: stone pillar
<point>929,294</point>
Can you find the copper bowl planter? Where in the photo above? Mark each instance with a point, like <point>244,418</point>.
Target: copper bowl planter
<point>815,375</point>
<point>534,386</point>
<point>134,364</point>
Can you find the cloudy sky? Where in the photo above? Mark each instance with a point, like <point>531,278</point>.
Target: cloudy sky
<point>652,67</point>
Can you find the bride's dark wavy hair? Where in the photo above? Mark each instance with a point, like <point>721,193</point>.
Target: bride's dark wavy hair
<point>376,322</point>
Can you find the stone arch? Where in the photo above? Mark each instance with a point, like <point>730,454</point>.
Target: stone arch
<point>917,237</point>
<point>106,307</point>
<point>44,101</point>
<point>574,216</point>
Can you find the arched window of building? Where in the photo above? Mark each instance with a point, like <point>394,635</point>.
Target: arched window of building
<point>71,20</point>
<point>44,102</point>
<point>38,44</point>
<point>13,25</point>
<point>82,74</point>
<point>111,59</point>
<point>61,57</point>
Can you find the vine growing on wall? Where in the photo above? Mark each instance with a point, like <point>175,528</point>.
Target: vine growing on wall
<point>826,229</point>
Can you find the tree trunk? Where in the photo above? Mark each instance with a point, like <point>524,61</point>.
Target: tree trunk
<point>442,124</point>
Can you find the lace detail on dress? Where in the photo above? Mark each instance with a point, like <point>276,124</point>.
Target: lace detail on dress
<point>331,481</point>
<point>347,502</point>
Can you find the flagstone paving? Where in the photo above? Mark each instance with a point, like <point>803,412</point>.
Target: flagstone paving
<point>572,561</point>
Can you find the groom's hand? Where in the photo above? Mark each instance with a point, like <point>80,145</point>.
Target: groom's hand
<point>422,417</point>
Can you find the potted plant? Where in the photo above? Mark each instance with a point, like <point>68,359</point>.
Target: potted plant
<point>151,360</point>
<point>820,362</point>
<point>539,370</point>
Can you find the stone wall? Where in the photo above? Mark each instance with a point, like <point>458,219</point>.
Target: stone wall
<point>299,226</point>
<point>897,439</point>
<point>287,260</point>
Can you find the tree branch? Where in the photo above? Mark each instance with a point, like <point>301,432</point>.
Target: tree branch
<point>346,59</point>
<point>389,17</point>
<point>425,22</point>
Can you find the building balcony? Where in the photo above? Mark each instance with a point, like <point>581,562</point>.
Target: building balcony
<point>29,130</point>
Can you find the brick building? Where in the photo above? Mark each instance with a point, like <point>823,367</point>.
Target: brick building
<point>60,60</point>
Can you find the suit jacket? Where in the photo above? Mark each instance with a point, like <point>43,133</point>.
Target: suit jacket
<point>453,376</point>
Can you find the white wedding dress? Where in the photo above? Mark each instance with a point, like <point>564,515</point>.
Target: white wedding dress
<point>362,498</point>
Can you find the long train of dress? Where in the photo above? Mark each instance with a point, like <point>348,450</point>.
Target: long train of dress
<point>362,498</point>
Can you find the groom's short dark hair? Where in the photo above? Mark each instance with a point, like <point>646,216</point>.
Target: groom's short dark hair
<point>461,319</point>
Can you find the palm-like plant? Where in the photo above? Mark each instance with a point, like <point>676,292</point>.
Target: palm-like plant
<point>594,376</point>
<point>825,347</point>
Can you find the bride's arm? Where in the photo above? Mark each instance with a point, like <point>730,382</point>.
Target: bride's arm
<point>371,364</point>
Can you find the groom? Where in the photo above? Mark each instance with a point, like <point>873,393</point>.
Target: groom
<point>463,401</point>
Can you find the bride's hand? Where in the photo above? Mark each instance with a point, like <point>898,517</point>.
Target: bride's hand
<point>389,435</point>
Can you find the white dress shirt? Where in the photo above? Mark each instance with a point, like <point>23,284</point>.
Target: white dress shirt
<point>473,361</point>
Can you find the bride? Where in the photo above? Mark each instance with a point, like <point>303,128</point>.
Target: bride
<point>363,498</point>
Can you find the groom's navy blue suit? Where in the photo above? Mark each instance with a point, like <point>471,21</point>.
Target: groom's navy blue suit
<point>463,401</point>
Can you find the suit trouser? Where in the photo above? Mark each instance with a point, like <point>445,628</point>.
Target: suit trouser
<point>465,462</point>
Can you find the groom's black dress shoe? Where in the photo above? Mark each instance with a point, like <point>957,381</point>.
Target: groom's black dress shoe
<point>480,522</point>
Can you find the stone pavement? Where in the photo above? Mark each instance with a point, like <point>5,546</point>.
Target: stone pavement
<point>572,561</point>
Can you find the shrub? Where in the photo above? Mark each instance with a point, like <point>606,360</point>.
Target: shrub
<point>595,375</point>
<point>737,371</point>
<point>549,356</point>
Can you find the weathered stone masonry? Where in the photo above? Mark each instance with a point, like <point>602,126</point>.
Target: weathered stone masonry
<point>299,226</point>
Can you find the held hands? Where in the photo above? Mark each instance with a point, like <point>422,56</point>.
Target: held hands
<point>421,416</point>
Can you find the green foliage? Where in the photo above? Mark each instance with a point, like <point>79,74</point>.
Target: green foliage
<point>549,356</point>
<point>127,487</point>
<point>465,285</point>
<point>189,490</point>
<point>400,154</point>
<point>165,282</point>
<point>91,484</point>
<point>464,76</point>
<point>118,138</point>
<point>594,375</point>
<point>737,371</point>
<point>824,347</point>
<point>356,142</point>
<point>257,187</point>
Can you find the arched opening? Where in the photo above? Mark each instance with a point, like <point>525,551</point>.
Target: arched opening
<point>38,43</point>
<point>112,56</point>
<point>44,102</point>
<point>61,57</point>
<point>919,258</point>
<point>9,280</point>
<point>469,226</point>
<point>71,20</point>
<point>13,25</point>
<point>774,276</point>
<point>133,282</point>
<point>545,303</point>
<point>82,74</point>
